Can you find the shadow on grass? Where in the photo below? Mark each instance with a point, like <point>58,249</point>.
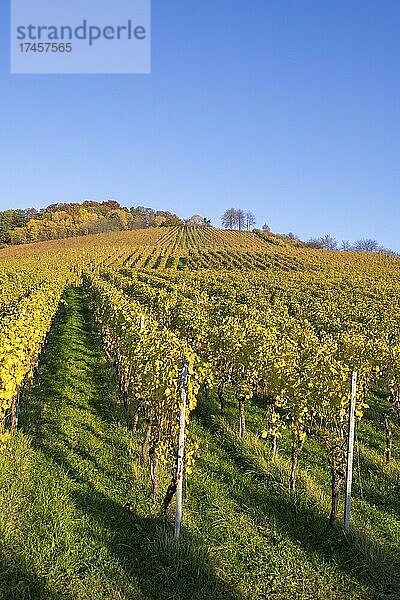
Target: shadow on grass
<point>382,492</point>
<point>72,369</point>
<point>72,416</point>
<point>144,546</point>
<point>18,581</point>
<point>297,517</point>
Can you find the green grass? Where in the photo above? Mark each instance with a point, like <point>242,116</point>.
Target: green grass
<point>77,517</point>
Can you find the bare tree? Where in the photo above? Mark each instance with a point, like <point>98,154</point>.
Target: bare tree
<point>388,251</point>
<point>266,228</point>
<point>345,245</point>
<point>236,218</point>
<point>328,242</point>
<point>241,219</point>
<point>229,219</point>
<point>250,220</point>
<point>367,245</point>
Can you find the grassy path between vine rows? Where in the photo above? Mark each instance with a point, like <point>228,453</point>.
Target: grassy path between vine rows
<point>69,524</point>
<point>77,518</point>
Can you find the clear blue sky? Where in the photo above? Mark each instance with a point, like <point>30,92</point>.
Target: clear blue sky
<point>287,108</point>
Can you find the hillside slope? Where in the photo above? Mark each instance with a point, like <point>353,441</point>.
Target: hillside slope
<point>273,331</point>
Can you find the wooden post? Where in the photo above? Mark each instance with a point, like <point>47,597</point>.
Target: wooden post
<point>350,451</point>
<point>181,451</point>
<point>15,413</point>
<point>389,439</point>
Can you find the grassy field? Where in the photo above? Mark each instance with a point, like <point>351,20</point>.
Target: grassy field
<point>77,517</point>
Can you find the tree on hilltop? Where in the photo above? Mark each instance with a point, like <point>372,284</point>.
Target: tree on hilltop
<point>241,219</point>
<point>326,242</point>
<point>367,245</point>
<point>236,218</point>
<point>166,219</point>
<point>229,218</point>
<point>250,221</point>
<point>143,217</point>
